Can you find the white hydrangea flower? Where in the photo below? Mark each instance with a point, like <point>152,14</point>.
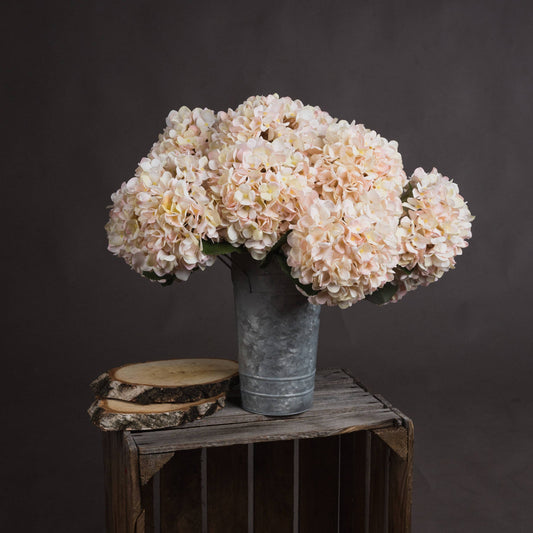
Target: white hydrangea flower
<point>160,216</point>
<point>343,251</point>
<point>355,160</point>
<point>187,132</point>
<point>260,187</point>
<point>347,247</point>
<point>271,117</point>
<point>261,174</point>
<point>434,230</point>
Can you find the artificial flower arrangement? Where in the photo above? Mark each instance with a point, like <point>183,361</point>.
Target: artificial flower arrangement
<point>328,199</point>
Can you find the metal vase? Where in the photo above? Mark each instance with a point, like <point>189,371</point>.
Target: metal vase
<point>277,330</point>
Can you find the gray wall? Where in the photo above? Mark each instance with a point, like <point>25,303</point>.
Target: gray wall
<point>88,85</point>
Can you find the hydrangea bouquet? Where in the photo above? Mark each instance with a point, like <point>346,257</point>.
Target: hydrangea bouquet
<point>328,199</point>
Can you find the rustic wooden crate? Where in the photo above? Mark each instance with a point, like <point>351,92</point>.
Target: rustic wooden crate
<point>343,466</point>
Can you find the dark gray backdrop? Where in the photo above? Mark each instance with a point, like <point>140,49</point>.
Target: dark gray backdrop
<point>87,87</point>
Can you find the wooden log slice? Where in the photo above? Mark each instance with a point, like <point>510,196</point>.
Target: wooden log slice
<point>117,415</point>
<point>171,380</point>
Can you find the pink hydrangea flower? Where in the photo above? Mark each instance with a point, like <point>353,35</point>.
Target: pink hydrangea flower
<point>355,160</point>
<point>272,117</point>
<point>160,216</point>
<point>347,246</point>
<point>260,188</point>
<point>433,231</point>
<point>261,172</point>
<point>343,251</point>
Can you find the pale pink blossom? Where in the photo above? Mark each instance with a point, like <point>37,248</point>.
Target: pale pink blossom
<point>271,117</point>
<point>343,251</point>
<point>346,247</point>
<point>260,188</point>
<point>432,232</point>
<point>160,216</point>
<point>355,160</point>
<point>261,176</point>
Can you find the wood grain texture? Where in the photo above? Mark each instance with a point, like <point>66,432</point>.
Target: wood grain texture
<point>113,487</point>
<point>227,489</point>
<point>347,400</point>
<point>181,493</point>
<point>273,487</point>
<point>147,500</point>
<point>396,438</point>
<point>123,494</point>
<point>167,381</point>
<point>379,475</point>
<point>337,396</point>
<point>354,490</point>
<point>271,430</point>
<point>333,375</point>
<point>400,485</point>
<point>151,464</point>
<point>116,415</point>
<point>340,406</point>
<point>318,485</point>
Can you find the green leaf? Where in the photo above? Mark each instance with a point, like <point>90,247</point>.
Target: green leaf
<point>282,260</point>
<point>164,281</point>
<point>274,250</point>
<point>407,193</point>
<point>219,248</point>
<point>403,270</point>
<point>382,295</point>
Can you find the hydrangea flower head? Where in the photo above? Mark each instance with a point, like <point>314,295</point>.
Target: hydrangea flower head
<point>355,160</point>
<point>261,187</point>
<point>271,117</point>
<point>160,216</point>
<point>261,171</point>
<point>343,251</point>
<point>432,232</point>
<point>347,247</point>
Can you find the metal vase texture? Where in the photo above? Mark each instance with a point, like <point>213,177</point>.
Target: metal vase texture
<point>277,331</point>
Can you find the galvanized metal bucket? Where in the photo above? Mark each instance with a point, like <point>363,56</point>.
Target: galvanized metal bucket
<point>277,331</point>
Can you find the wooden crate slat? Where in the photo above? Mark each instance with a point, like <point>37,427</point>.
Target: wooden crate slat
<point>342,402</point>
<point>123,494</point>
<point>400,486</point>
<point>322,401</point>
<point>350,388</point>
<point>113,511</point>
<point>318,485</point>
<point>354,472</point>
<point>274,429</point>
<point>131,473</point>
<point>147,498</point>
<point>233,413</point>
<point>379,463</point>
<point>273,486</point>
<point>227,489</point>
<point>181,493</point>
<point>332,376</point>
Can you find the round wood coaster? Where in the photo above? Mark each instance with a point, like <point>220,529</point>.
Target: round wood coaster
<point>167,381</point>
